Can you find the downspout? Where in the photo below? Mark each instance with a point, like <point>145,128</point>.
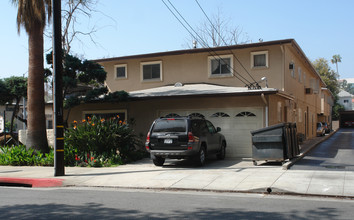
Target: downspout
<point>266,110</point>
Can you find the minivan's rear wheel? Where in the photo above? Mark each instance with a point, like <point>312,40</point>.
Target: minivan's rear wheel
<point>201,156</point>
<point>222,153</point>
<point>158,161</point>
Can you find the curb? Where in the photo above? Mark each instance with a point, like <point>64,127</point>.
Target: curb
<point>289,164</point>
<point>31,182</point>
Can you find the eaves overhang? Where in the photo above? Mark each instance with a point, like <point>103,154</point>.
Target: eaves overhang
<point>197,90</point>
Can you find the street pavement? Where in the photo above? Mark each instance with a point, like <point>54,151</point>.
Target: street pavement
<point>229,175</point>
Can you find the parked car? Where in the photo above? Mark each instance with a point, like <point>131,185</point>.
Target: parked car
<point>184,138</point>
<point>349,123</point>
<point>326,127</point>
<point>320,129</point>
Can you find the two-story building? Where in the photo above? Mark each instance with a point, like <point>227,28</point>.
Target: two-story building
<point>239,88</point>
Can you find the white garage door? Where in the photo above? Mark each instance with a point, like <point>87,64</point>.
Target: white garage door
<point>235,124</point>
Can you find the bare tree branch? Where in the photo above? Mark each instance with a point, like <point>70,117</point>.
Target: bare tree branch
<point>218,32</point>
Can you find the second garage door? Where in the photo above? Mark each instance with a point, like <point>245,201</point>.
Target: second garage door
<point>235,124</point>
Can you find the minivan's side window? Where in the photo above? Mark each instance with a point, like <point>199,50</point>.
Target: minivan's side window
<point>211,127</point>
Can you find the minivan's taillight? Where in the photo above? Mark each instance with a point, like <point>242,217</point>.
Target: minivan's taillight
<point>147,143</point>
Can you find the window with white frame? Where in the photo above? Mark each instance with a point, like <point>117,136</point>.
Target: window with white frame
<point>120,71</point>
<point>259,59</point>
<point>292,69</point>
<point>151,71</point>
<point>220,65</point>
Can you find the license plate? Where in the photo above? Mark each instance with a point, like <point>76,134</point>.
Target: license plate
<point>168,141</point>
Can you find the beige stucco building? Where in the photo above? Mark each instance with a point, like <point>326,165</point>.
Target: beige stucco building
<point>239,88</point>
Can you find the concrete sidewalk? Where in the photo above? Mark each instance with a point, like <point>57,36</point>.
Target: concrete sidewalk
<point>230,175</point>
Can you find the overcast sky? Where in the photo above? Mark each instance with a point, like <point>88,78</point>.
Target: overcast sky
<point>322,28</point>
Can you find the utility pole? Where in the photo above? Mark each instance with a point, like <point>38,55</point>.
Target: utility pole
<point>58,91</point>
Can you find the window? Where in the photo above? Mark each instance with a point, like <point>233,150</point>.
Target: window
<point>211,127</point>
<point>305,79</point>
<point>292,69</point>
<point>259,59</point>
<point>346,101</point>
<point>300,74</point>
<point>151,71</point>
<point>197,115</point>
<point>49,121</point>
<point>106,114</point>
<point>245,114</point>
<point>50,124</point>
<point>120,71</point>
<point>220,114</point>
<point>220,66</point>
<point>300,114</point>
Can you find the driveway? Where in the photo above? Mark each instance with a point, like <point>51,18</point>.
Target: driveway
<point>336,153</point>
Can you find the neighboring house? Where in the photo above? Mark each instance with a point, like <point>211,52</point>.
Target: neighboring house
<point>49,125</point>
<point>346,100</point>
<point>8,110</point>
<point>213,83</point>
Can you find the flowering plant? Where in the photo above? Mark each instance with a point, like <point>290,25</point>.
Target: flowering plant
<point>97,141</point>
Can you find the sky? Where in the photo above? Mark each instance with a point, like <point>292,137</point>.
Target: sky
<point>322,28</point>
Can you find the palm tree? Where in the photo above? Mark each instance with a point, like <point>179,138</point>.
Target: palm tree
<point>32,15</point>
<point>335,60</point>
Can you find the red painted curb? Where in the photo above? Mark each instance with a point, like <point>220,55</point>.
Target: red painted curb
<point>34,182</point>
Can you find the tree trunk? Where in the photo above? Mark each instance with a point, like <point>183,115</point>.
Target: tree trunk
<point>36,127</point>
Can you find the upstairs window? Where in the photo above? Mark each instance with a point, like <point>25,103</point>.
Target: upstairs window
<point>120,71</point>
<point>220,66</point>
<point>259,59</point>
<point>151,71</point>
<point>300,74</point>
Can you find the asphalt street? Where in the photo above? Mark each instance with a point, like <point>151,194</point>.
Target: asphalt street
<point>336,153</point>
<point>99,203</point>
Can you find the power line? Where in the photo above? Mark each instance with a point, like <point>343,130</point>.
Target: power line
<point>225,42</point>
<point>215,55</point>
<point>205,44</point>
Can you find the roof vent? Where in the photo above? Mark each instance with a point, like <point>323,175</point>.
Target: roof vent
<point>178,84</point>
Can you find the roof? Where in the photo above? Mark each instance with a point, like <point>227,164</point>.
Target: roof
<point>198,50</point>
<point>179,90</point>
<point>343,93</point>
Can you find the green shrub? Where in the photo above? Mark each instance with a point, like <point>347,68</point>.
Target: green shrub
<point>100,142</point>
<point>20,156</point>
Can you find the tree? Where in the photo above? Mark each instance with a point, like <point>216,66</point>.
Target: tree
<point>83,82</point>
<point>328,76</point>
<point>217,31</point>
<point>347,87</point>
<point>335,60</point>
<point>13,89</point>
<point>33,16</point>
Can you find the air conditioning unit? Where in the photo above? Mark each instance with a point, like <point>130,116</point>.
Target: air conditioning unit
<point>308,91</point>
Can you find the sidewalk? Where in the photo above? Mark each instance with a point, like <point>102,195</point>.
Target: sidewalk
<point>230,175</point>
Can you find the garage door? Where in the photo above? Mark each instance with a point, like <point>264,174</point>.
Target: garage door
<point>235,124</point>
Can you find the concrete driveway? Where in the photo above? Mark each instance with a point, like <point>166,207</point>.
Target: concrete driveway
<point>336,153</point>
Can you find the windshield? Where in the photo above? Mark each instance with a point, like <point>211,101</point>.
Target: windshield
<point>170,125</point>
